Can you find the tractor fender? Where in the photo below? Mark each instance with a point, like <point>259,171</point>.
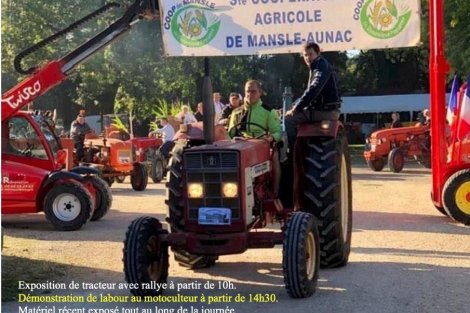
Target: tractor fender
<point>55,176</point>
<point>84,170</point>
<point>49,182</point>
<point>326,128</point>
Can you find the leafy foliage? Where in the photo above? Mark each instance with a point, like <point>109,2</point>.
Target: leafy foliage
<point>134,75</point>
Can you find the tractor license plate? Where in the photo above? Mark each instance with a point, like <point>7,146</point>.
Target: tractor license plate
<point>214,216</point>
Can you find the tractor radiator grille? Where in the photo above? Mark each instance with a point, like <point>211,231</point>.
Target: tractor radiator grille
<point>212,169</point>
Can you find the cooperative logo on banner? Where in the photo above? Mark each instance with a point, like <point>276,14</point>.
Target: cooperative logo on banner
<point>194,25</point>
<point>384,19</point>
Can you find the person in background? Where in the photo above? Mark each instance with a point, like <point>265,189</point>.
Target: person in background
<point>395,120</point>
<point>199,112</point>
<point>185,116</point>
<point>167,133</point>
<point>235,101</point>
<point>78,130</point>
<point>218,106</point>
<point>427,117</point>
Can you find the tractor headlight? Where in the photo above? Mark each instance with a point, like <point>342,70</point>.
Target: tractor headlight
<point>195,190</point>
<point>325,125</point>
<point>230,190</point>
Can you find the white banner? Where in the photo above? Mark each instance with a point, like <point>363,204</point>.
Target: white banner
<point>244,27</point>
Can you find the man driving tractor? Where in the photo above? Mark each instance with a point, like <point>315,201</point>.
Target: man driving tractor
<point>252,119</point>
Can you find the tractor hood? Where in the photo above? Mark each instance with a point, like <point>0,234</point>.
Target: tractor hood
<point>392,132</point>
<point>252,151</point>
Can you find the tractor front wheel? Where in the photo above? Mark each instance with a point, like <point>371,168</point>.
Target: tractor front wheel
<point>301,255</point>
<point>376,165</point>
<point>145,256</point>
<point>139,177</point>
<point>396,160</point>
<point>327,194</point>
<point>104,197</point>
<point>456,196</point>
<point>68,206</point>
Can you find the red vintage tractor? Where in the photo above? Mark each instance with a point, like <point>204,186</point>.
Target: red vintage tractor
<point>395,145</point>
<point>144,150</point>
<point>219,199</point>
<point>147,151</point>
<point>34,179</point>
<point>115,160</point>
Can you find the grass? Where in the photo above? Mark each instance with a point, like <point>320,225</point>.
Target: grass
<point>15,269</point>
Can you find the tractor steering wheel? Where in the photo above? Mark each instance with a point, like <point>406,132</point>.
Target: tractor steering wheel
<point>236,127</point>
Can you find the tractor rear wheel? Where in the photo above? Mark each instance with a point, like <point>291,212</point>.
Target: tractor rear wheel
<point>327,194</point>
<point>376,165</point>
<point>104,197</point>
<point>456,196</point>
<point>145,256</point>
<point>396,160</point>
<point>68,206</point>
<point>139,177</point>
<point>157,170</point>
<point>176,210</point>
<point>301,255</point>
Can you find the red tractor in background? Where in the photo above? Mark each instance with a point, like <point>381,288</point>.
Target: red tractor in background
<point>144,150</point>
<point>115,159</point>
<point>147,151</point>
<point>395,145</point>
<point>33,175</point>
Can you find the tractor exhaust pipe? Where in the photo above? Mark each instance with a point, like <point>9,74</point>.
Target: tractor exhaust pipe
<point>208,105</point>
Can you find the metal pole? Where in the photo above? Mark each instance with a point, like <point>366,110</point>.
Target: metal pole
<point>208,105</point>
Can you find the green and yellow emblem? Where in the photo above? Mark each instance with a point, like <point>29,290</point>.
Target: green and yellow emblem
<point>194,26</point>
<point>384,19</point>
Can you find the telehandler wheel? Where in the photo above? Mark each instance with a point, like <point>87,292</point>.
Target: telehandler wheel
<point>376,165</point>
<point>301,255</point>
<point>157,170</point>
<point>104,197</point>
<point>396,160</point>
<point>176,214</point>
<point>327,194</point>
<point>139,177</point>
<point>145,256</point>
<point>456,196</point>
<point>68,205</point>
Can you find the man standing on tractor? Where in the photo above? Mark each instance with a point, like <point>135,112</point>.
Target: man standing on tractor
<point>78,130</point>
<point>253,119</point>
<point>320,100</point>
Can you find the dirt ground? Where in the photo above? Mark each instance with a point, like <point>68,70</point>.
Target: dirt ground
<point>406,256</point>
